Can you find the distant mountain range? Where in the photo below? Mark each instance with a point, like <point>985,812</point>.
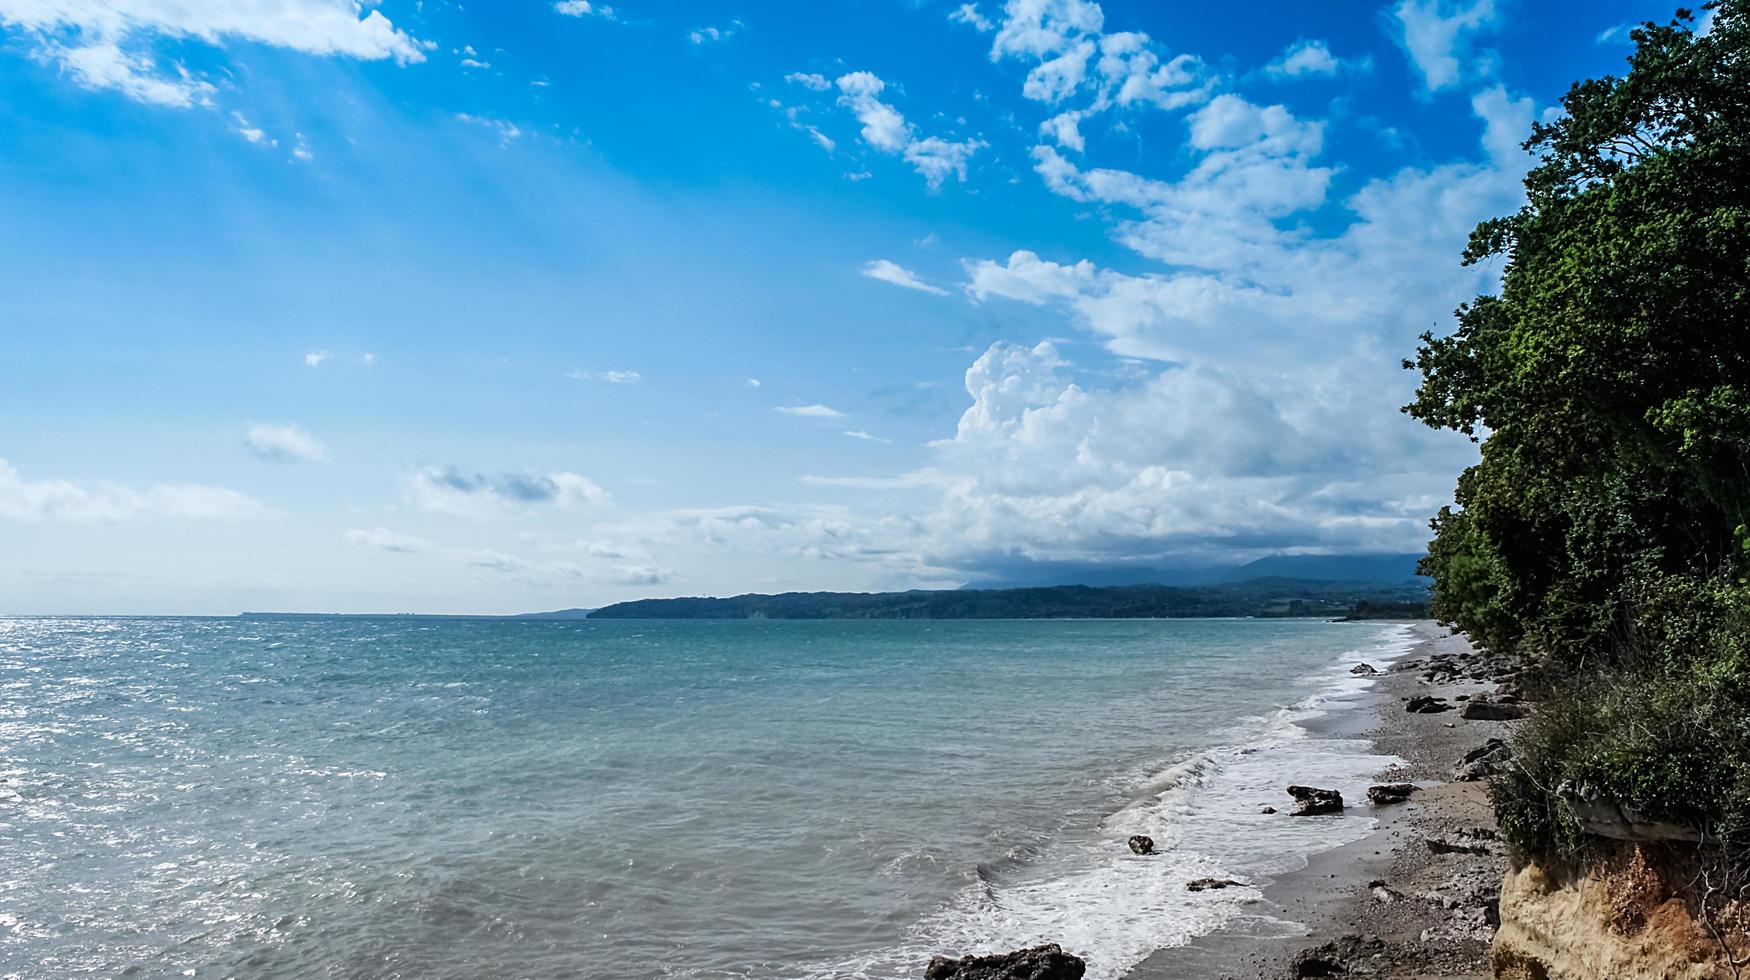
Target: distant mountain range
<point>1271,596</point>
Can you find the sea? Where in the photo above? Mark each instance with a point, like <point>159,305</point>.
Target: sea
<point>468,798</point>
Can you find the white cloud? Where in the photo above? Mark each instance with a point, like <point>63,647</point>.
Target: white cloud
<point>938,159</point>
<point>885,129</point>
<point>968,14</point>
<point>594,563</point>
<point>106,45</point>
<point>1029,279</point>
<point>1063,129</point>
<point>383,539</point>
<point>711,35</point>
<point>1306,58</point>
<point>811,411</point>
<point>584,8</point>
<point>610,377</point>
<point>1436,36</point>
<point>253,134</point>
<point>809,80</point>
<point>452,490</point>
<point>1281,338</point>
<point>316,357</point>
<point>864,436</point>
<point>508,132</point>
<point>900,276</point>
<point>1073,55</point>
<point>43,501</point>
<point>1040,28</point>
<point>284,444</point>
<point>1044,468</point>
<point>753,382</point>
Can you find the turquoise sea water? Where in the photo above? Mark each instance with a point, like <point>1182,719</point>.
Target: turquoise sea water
<point>473,798</point>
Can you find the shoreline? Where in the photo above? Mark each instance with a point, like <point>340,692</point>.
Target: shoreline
<point>1417,913</point>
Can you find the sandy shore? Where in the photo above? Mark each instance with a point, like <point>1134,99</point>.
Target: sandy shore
<point>1412,912</point>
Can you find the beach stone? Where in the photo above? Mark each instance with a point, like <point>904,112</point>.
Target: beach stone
<point>1334,958</point>
<point>1268,810</point>
<point>1484,708</point>
<point>1206,884</point>
<point>1439,846</point>
<point>1315,801</point>
<point>1048,962</point>
<point>1494,748</point>
<point>1364,669</point>
<point>1142,844</point>
<point>1426,704</point>
<point>1389,793</point>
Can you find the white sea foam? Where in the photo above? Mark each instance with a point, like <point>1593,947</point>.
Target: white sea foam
<point>1114,908</point>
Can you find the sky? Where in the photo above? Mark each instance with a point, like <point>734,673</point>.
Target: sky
<point>422,306</point>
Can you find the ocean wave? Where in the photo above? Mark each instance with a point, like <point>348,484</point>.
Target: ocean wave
<point>1203,809</point>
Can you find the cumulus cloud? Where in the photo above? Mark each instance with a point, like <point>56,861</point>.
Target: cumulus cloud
<point>1242,287</point>
<point>811,411</point>
<point>108,45</point>
<point>316,357</point>
<point>1073,55</point>
<point>1268,419</point>
<point>898,275</point>
<point>452,490</point>
<point>1436,35</point>
<point>44,501</point>
<point>284,444</point>
<point>886,129</point>
<point>1065,129</point>
<point>1307,59</point>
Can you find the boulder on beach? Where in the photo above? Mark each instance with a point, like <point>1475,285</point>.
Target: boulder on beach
<point>1268,810</point>
<point>1364,669</point>
<point>1314,801</point>
<point>1048,962</point>
<point>1142,844</point>
<point>1387,793</point>
<point>1208,884</point>
<point>1486,708</point>
<point>1426,704</point>
<point>1487,759</point>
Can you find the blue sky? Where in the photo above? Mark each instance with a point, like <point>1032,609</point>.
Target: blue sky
<point>419,306</point>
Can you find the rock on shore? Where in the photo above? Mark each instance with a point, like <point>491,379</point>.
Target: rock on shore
<point>1048,962</point>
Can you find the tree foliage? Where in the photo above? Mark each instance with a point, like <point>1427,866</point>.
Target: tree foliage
<point>1609,381</point>
<point>1603,531</point>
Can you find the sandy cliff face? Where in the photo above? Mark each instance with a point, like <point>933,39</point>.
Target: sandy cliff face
<point>1632,916</point>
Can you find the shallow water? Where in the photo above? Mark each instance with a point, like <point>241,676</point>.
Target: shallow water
<point>463,798</point>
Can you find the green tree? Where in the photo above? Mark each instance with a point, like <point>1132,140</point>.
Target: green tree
<point>1609,382</point>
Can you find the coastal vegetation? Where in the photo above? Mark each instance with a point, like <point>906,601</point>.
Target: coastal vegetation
<point>1604,534</point>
